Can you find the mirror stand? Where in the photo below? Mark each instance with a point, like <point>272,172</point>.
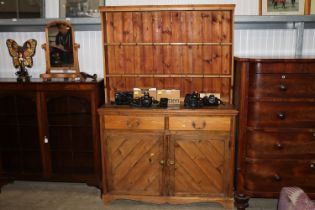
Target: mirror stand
<point>61,52</point>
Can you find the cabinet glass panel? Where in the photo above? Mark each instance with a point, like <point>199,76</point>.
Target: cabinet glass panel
<point>21,9</point>
<point>70,134</point>
<point>19,142</point>
<point>80,8</point>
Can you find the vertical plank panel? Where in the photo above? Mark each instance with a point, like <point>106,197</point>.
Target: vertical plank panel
<point>177,51</point>
<point>186,85</point>
<point>148,57</point>
<point>226,26</point>
<point>157,50</point>
<point>110,61</point>
<point>128,36</point>
<point>138,50</point>
<point>118,83</point>
<point>167,50</point>
<point>206,37</point>
<point>226,37</point>
<point>197,50</point>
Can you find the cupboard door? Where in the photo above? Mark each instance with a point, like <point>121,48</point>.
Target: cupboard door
<point>69,128</point>
<point>197,163</point>
<point>19,143</point>
<point>134,162</point>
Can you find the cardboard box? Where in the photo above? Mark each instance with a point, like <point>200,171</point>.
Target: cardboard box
<point>138,92</point>
<point>172,95</point>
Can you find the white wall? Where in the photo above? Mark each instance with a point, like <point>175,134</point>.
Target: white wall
<point>247,42</point>
<point>264,42</point>
<point>90,52</point>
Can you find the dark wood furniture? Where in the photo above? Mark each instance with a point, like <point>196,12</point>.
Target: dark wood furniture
<point>50,131</point>
<point>276,134</point>
<point>172,155</point>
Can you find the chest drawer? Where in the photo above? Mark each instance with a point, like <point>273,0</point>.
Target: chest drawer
<point>200,123</point>
<point>272,175</point>
<point>284,67</point>
<point>274,114</point>
<point>133,122</point>
<point>282,85</point>
<point>286,144</point>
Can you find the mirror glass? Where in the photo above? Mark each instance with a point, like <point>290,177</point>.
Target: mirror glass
<point>60,43</point>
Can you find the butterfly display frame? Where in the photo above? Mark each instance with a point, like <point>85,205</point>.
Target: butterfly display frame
<point>61,56</point>
<point>22,57</point>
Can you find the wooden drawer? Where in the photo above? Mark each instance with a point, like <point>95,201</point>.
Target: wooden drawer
<point>133,122</point>
<point>272,175</point>
<point>200,123</point>
<point>285,144</point>
<point>271,114</point>
<point>284,67</point>
<point>282,85</point>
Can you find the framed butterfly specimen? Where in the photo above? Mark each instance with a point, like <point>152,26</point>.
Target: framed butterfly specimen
<point>22,57</point>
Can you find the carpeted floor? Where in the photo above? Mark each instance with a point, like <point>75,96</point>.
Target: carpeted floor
<point>67,196</point>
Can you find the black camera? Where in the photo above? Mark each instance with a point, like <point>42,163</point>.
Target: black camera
<point>163,102</point>
<point>123,98</point>
<point>211,100</point>
<point>193,100</point>
<point>146,100</point>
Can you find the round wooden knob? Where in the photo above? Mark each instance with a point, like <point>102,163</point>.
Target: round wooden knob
<point>277,177</point>
<point>279,145</point>
<point>282,87</point>
<point>281,115</point>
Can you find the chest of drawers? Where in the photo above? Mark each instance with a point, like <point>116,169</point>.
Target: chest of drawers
<point>172,155</point>
<point>276,133</point>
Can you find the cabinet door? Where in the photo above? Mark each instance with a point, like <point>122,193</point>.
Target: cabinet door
<point>69,130</point>
<point>197,163</point>
<point>133,162</point>
<point>19,142</point>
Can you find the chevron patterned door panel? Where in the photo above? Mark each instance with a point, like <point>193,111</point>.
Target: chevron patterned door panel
<point>134,162</point>
<point>199,164</point>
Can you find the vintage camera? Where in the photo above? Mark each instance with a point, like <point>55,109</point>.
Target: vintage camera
<point>123,98</point>
<point>146,100</point>
<point>163,102</point>
<point>193,100</point>
<point>211,100</point>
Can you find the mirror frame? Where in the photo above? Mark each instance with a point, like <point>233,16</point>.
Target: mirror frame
<point>60,72</point>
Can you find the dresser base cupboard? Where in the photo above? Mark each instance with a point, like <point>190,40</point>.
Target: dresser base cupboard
<point>50,131</point>
<point>172,155</point>
<point>276,134</point>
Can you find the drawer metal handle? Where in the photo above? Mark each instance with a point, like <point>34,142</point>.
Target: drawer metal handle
<point>132,123</point>
<point>312,165</point>
<point>279,145</point>
<point>282,87</point>
<point>170,162</point>
<point>203,126</point>
<point>162,162</point>
<point>313,134</point>
<point>281,115</point>
<point>277,177</point>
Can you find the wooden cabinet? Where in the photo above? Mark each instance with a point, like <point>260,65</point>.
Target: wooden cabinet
<point>276,99</point>
<point>170,155</point>
<point>184,47</point>
<point>50,131</point>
